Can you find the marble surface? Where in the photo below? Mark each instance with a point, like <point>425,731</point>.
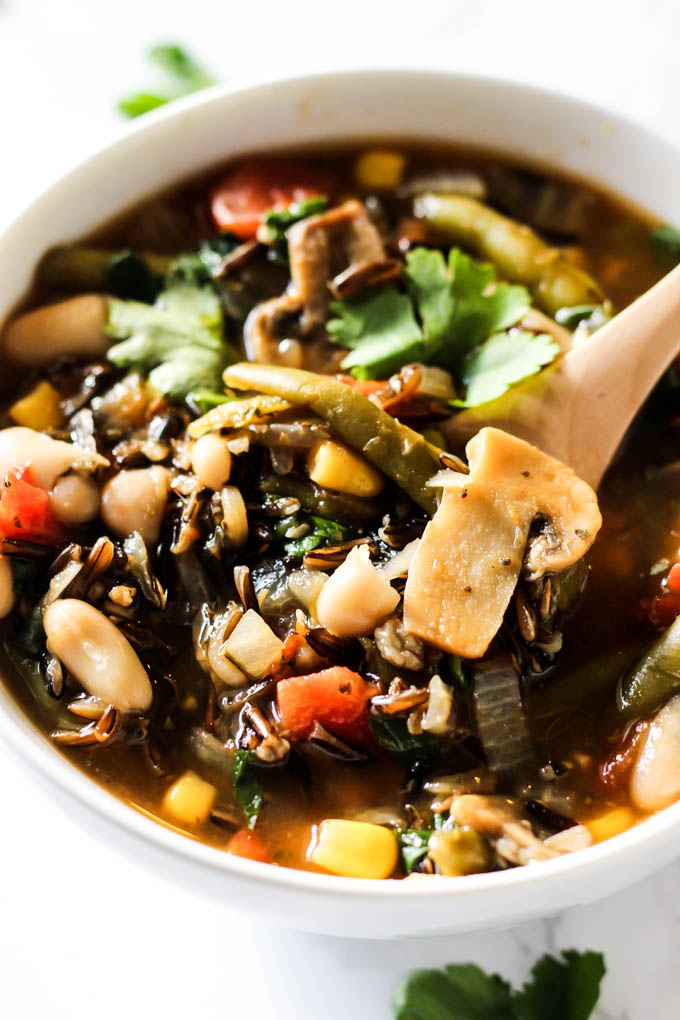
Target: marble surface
<point>83,931</point>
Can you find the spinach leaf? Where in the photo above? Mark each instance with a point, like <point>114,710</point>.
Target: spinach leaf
<point>130,277</point>
<point>30,637</point>
<point>393,735</point>
<point>247,789</point>
<point>24,574</point>
<point>182,73</point>
<point>565,988</point>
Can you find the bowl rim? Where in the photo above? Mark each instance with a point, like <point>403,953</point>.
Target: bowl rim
<point>30,744</point>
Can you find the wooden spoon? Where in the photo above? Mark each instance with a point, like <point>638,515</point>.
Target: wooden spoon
<point>578,410</point>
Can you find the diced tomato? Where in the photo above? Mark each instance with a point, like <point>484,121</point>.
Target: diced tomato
<point>245,843</point>
<point>614,771</point>
<point>673,579</point>
<point>336,697</point>
<point>240,201</point>
<point>25,510</point>
<point>664,609</point>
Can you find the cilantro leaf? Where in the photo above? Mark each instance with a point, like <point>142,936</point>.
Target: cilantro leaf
<point>247,789</point>
<point>666,240</point>
<point>562,989</point>
<point>457,992</point>
<point>506,358</point>
<point>458,303</point>
<point>302,534</point>
<point>381,331</point>
<point>183,76</point>
<point>177,340</point>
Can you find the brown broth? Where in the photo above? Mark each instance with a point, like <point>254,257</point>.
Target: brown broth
<point>573,726</point>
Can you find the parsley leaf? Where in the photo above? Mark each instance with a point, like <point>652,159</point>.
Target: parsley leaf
<point>247,789</point>
<point>562,989</point>
<point>565,988</point>
<point>381,331</point>
<point>666,240</point>
<point>178,340</point>
<point>506,358</point>
<point>319,532</point>
<point>458,992</point>
<point>182,73</point>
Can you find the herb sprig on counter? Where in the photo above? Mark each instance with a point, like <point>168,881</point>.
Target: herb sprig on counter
<point>561,988</point>
<point>182,74</point>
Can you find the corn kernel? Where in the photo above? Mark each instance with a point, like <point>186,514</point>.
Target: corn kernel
<point>334,466</point>
<point>189,801</point>
<point>39,409</point>
<point>379,169</point>
<point>610,824</point>
<point>354,849</point>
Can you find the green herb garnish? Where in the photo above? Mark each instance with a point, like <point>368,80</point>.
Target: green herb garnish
<point>455,314</point>
<point>413,846</point>
<point>247,789</point>
<point>277,221</point>
<point>666,240</point>
<point>393,735</point>
<point>303,533</point>
<point>564,988</point>
<point>182,74</point>
<point>177,340</point>
<point>506,358</point>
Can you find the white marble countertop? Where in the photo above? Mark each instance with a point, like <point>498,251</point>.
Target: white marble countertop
<point>83,931</point>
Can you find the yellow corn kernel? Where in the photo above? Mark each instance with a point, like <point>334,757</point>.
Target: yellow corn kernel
<point>39,409</point>
<point>610,824</point>
<point>189,801</point>
<point>354,849</point>
<point>379,169</point>
<point>334,466</point>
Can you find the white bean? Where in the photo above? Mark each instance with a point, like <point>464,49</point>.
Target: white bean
<point>6,586</point>
<point>100,658</point>
<point>235,516</point>
<point>135,500</point>
<point>74,327</point>
<point>211,461</point>
<point>655,779</point>
<point>74,499</point>
<point>45,458</point>
<point>356,597</point>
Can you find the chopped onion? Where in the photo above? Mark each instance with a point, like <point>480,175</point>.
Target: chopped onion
<point>305,586</point>
<point>254,646</point>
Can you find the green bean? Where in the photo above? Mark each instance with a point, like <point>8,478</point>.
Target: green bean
<point>85,269</point>
<point>515,250</point>
<point>333,506</point>
<point>654,679</point>
<point>396,450</point>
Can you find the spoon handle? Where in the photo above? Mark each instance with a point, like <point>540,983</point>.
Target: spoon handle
<point>607,379</point>
<point>578,410</point>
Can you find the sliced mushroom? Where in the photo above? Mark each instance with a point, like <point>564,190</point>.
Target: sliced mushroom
<point>323,246</point>
<point>466,567</point>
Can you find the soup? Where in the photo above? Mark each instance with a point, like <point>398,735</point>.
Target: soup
<point>251,578</point>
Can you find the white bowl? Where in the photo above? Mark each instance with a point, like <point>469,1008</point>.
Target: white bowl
<point>192,135</point>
